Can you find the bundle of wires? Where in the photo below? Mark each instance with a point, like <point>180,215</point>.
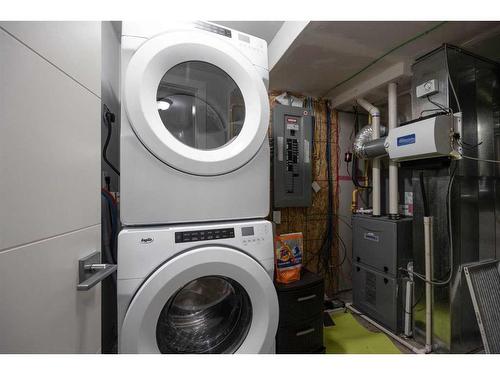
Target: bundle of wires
<point>324,255</point>
<point>325,263</point>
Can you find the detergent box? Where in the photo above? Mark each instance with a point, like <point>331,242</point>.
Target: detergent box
<point>288,257</point>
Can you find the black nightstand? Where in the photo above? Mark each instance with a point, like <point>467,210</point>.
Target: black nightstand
<point>300,327</point>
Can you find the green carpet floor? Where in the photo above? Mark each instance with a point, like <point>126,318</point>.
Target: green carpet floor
<point>350,337</point>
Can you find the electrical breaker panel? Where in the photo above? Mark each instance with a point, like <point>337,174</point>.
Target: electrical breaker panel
<point>292,134</point>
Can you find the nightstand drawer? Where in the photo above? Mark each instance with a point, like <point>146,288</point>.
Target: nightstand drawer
<point>304,337</point>
<point>297,305</point>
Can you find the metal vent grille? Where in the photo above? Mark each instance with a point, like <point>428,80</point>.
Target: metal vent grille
<point>483,280</point>
<point>371,288</point>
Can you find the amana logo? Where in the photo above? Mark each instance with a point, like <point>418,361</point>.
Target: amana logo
<point>146,241</point>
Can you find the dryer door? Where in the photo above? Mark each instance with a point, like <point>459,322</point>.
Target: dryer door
<point>196,102</point>
<point>207,300</point>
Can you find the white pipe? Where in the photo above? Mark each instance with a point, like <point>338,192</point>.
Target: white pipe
<point>375,113</point>
<point>408,307</point>
<point>393,167</point>
<point>399,339</point>
<point>428,276</point>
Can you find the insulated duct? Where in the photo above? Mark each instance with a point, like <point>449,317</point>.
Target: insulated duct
<point>366,148</point>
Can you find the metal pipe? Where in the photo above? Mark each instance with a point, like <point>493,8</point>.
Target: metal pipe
<point>375,114</point>
<point>428,276</point>
<point>402,341</point>
<point>393,167</point>
<point>375,149</point>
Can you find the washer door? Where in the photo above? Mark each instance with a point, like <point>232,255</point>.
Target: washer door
<point>196,102</point>
<point>207,300</point>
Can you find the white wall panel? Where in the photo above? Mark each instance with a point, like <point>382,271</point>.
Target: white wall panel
<point>75,47</point>
<point>40,309</point>
<point>49,147</point>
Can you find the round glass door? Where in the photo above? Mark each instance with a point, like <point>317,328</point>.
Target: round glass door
<point>196,102</point>
<point>207,300</point>
<point>211,314</point>
<point>200,105</point>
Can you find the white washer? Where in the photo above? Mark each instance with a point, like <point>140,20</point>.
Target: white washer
<point>204,288</point>
<point>194,122</point>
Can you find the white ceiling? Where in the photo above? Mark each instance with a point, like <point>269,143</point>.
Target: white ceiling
<point>327,53</point>
<point>262,29</point>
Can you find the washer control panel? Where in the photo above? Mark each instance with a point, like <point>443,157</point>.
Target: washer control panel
<point>204,235</point>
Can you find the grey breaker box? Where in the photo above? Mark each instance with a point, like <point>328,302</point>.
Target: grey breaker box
<point>292,134</point>
<point>381,243</point>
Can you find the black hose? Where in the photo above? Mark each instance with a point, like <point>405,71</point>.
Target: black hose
<point>109,118</point>
<point>424,195</point>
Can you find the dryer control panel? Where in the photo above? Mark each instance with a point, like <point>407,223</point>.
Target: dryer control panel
<point>292,134</point>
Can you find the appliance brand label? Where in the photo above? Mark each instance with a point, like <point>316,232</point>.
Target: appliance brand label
<point>146,241</point>
<point>370,236</point>
<point>406,140</point>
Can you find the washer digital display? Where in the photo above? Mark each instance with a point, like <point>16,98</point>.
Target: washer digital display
<point>247,231</point>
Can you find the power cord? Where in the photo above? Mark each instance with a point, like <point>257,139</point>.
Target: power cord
<point>478,159</point>
<point>109,119</point>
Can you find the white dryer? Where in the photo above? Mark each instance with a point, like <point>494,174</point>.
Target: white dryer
<point>194,122</point>
<point>204,288</point>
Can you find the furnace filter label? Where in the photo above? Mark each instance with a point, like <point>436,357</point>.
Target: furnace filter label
<point>406,140</point>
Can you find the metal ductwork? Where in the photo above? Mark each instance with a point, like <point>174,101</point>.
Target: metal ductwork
<point>366,148</point>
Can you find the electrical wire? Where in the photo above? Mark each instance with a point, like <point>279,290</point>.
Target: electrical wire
<point>471,147</point>
<point>449,78</point>
<point>450,238</point>
<point>468,146</point>
<point>439,107</point>
<point>342,220</point>
<point>479,159</point>
<point>430,110</point>
<point>324,259</point>
<point>408,41</point>
<point>415,304</point>
<point>108,118</point>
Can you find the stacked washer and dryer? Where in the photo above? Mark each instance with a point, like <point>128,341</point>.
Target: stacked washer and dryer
<point>195,257</point>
